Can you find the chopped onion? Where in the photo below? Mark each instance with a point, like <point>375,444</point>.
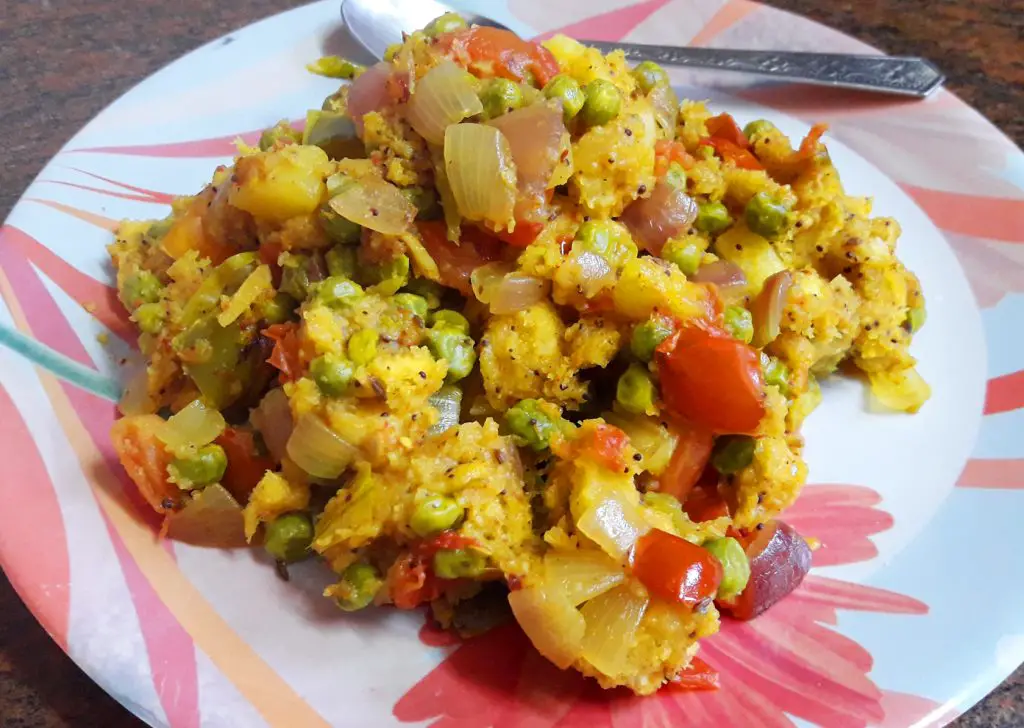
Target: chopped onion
<point>612,621</point>
<point>369,93</point>
<point>653,220</point>
<point>136,399</point>
<point>584,272</point>
<point>654,442</point>
<point>506,291</point>
<point>318,450</point>
<point>767,307</point>
<point>448,403</point>
<point>582,574</point>
<point>444,96</point>
<point>614,524</point>
<point>479,167</point>
<point>549,619</point>
<point>212,518</point>
<point>534,136</point>
<point>666,108</point>
<point>273,418</point>
<point>193,426</point>
<point>258,283</point>
<point>903,391</point>
<point>728,277</point>
<point>376,205</point>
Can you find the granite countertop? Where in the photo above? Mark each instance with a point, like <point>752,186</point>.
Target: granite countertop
<point>62,62</point>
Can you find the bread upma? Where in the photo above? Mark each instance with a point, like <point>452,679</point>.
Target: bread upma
<point>507,318</point>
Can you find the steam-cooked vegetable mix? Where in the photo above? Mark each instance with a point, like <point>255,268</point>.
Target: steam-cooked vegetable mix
<point>507,318</point>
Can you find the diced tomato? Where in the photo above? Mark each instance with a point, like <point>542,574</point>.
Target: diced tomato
<point>699,675</point>
<point>725,127</point>
<point>457,261</point>
<point>487,52</point>
<point>693,449</point>
<point>666,152</point>
<point>411,583</point>
<point>565,245</point>
<point>809,145</point>
<point>712,380</point>
<point>285,356</point>
<point>442,542</point>
<point>734,153</point>
<point>524,234</point>
<point>245,465</point>
<point>145,459</point>
<point>676,570</point>
<point>704,503</point>
<point>604,443</point>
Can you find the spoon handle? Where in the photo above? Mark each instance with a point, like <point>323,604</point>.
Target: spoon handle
<point>904,75</point>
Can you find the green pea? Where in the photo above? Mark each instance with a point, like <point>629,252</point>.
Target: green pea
<point>206,466</point>
<point>289,537</point>
<point>740,323</point>
<point>295,280</point>
<point>448,319</point>
<point>278,309</point>
<point>279,134</point>
<point>391,51</point>
<point>765,216</point>
<point>454,347</point>
<point>444,24</point>
<point>341,261</point>
<point>647,336</point>
<point>713,217</point>
<point>649,75</point>
<point>530,424</point>
<point>459,563</point>
<point>150,317</point>
<point>676,176</point>
<point>609,239</point>
<point>735,566</point>
<point>430,291</point>
<point>160,228</point>
<point>685,253</point>
<point>390,276</point>
<point>359,584</point>
<point>500,96</point>
<point>915,319</point>
<point>566,90</point>
<point>732,453</point>
<point>411,302</point>
<point>754,128</point>
<point>332,374</point>
<point>434,515</point>
<point>362,346</point>
<point>636,391</point>
<point>338,291</point>
<point>339,229</point>
<point>775,372</point>
<point>602,103</point>
<point>140,287</point>
<point>428,206</point>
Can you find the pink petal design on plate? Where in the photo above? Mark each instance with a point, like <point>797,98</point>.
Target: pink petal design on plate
<point>995,218</point>
<point>858,597</point>
<point>141,193</point>
<point>612,25</point>
<point>170,649</point>
<point>39,570</point>
<point>728,15</point>
<point>902,710</point>
<point>842,518</point>
<point>1005,393</point>
<point>98,299</point>
<point>996,474</point>
<point>993,268</point>
<point>92,218</point>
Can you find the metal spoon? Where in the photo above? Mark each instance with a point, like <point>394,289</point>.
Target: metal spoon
<point>377,24</point>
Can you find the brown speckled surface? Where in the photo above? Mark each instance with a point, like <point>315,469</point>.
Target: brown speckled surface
<point>61,62</point>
